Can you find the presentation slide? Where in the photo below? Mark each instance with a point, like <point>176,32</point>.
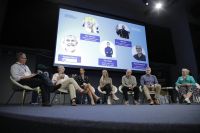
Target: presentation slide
<point>87,40</point>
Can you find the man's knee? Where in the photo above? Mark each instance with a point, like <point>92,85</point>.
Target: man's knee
<point>158,86</point>
<point>71,87</point>
<point>71,80</point>
<point>145,88</point>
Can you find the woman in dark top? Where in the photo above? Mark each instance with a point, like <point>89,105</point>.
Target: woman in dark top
<point>83,81</point>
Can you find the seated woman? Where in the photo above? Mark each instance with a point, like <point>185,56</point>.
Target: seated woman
<point>66,83</point>
<point>83,81</point>
<point>186,85</point>
<point>106,85</point>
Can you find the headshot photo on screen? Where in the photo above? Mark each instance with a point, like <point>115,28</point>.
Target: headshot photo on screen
<point>107,49</point>
<point>90,24</point>
<point>138,53</point>
<point>122,31</point>
<point>70,44</point>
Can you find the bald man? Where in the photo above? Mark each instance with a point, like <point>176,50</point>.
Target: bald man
<point>129,83</point>
<point>66,83</point>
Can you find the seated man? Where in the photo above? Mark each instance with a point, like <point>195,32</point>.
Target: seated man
<point>150,82</point>
<point>66,83</point>
<point>83,81</point>
<point>186,85</point>
<point>129,83</point>
<point>22,74</point>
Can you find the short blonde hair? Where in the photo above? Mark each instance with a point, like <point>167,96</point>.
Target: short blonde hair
<point>186,70</point>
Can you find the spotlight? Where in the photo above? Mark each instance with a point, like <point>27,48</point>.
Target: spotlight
<point>158,6</point>
<point>146,2</point>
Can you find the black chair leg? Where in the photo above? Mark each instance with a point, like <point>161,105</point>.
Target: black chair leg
<point>170,99</point>
<point>122,101</point>
<point>64,99</point>
<point>53,98</point>
<point>23,97</point>
<point>10,97</point>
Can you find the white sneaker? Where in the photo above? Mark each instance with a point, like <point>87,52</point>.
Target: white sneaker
<point>187,100</point>
<point>126,103</point>
<point>115,97</point>
<point>109,100</point>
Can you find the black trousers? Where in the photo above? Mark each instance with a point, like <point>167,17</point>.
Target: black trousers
<point>135,90</point>
<point>107,88</point>
<point>43,82</point>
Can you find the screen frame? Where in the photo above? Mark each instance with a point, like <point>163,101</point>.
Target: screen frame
<point>105,15</point>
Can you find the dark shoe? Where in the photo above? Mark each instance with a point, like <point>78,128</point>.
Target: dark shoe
<point>97,100</point>
<point>150,101</point>
<point>56,87</point>
<point>46,105</point>
<point>156,101</point>
<point>73,102</point>
<point>136,102</point>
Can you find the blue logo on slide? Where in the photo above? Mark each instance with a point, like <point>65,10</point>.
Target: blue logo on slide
<point>69,58</point>
<point>139,66</point>
<point>123,43</point>
<point>92,38</point>
<point>108,62</point>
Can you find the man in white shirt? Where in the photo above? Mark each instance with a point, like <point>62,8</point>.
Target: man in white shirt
<point>66,83</point>
<point>21,73</point>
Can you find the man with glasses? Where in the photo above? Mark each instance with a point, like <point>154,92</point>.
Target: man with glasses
<point>21,73</point>
<point>139,55</point>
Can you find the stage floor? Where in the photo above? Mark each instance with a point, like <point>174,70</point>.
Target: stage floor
<point>117,115</point>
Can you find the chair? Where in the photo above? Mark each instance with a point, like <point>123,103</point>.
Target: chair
<point>131,93</point>
<point>102,93</point>
<point>17,87</point>
<point>196,97</point>
<point>165,93</point>
<point>63,92</point>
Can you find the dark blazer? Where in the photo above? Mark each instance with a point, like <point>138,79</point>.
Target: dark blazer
<point>80,80</point>
<point>108,51</point>
<point>141,58</point>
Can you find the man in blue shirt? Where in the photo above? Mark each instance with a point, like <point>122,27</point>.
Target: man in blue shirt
<point>108,50</point>
<point>150,83</point>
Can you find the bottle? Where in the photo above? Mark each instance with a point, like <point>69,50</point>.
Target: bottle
<point>177,100</point>
<point>56,101</point>
<point>39,98</point>
<point>86,100</point>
